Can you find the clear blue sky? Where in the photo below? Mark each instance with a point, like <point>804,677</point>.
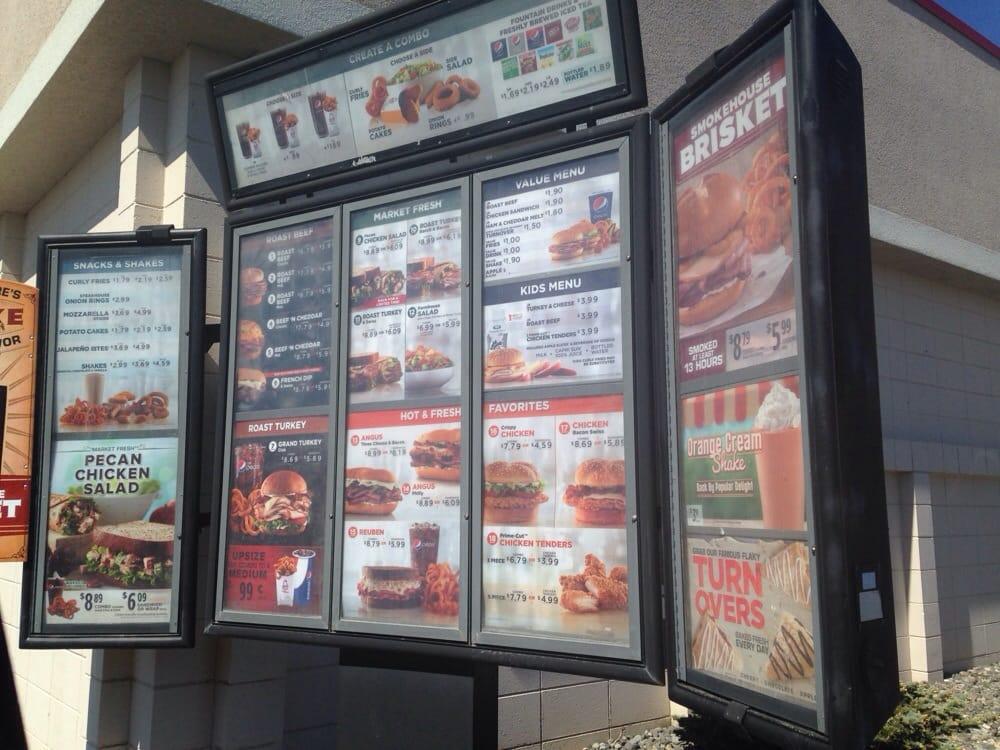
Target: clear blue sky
<point>982,15</point>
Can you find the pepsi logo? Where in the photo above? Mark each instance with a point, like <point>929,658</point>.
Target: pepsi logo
<point>598,202</point>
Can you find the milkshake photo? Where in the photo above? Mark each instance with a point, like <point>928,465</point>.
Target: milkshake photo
<point>779,460</point>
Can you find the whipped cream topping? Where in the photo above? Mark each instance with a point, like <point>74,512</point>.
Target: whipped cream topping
<point>779,411</point>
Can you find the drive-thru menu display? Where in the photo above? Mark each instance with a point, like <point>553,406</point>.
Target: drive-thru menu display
<point>403,530</point>
<point>113,476</point>
<point>555,482</point>
<point>279,434</point>
<point>748,573</point>
<point>495,61</point>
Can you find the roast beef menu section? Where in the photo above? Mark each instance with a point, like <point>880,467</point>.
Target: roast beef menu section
<point>747,572</point>
<point>557,497</point>
<point>496,60</point>
<point>111,541</point>
<point>276,506</point>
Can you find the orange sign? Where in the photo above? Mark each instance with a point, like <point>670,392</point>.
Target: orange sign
<point>17,372</point>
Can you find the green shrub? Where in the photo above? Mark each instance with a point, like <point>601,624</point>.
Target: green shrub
<point>923,720</point>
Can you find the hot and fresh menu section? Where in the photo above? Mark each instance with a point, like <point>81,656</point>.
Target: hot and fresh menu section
<point>555,484</point>
<point>111,541</point>
<point>276,556</point>
<point>496,60</point>
<point>402,501</point>
<point>746,563</point>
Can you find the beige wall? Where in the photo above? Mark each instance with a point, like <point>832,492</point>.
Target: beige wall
<point>25,24</point>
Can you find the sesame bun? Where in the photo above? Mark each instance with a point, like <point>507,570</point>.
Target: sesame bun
<point>284,482</point>
<point>601,472</point>
<point>707,212</point>
<point>366,472</point>
<point>520,472</point>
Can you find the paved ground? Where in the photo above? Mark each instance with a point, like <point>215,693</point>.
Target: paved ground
<point>978,688</point>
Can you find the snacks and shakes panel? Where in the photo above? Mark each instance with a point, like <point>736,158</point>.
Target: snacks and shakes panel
<point>285,309</point>
<point>554,505</point>
<point>110,536</point>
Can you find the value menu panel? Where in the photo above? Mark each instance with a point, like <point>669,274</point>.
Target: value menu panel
<point>555,473</point>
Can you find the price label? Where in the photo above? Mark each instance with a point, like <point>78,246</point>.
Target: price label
<point>760,341</point>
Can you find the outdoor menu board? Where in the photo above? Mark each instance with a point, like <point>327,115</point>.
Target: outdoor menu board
<point>17,374</point>
<point>402,530</point>
<point>747,569</point>
<point>557,494</point>
<point>277,547</point>
<point>479,68</point>
<point>111,494</point>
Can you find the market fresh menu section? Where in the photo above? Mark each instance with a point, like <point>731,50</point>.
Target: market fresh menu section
<point>110,535</point>
<point>496,60</point>
<point>405,308</point>
<point>554,506</point>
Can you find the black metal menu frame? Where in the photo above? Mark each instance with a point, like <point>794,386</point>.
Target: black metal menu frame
<point>180,631</point>
<point>855,647</point>
<point>628,93</point>
<point>644,662</point>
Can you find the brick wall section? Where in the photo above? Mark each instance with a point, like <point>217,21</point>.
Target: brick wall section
<point>939,383</point>
<point>547,711</point>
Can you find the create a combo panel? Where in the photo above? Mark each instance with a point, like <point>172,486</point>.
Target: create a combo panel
<point>430,424</point>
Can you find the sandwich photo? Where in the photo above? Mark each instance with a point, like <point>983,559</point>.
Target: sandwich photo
<point>584,237</point>
<point>371,492</point>
<point>512,492</point>
<point>714,264</point>
<point>137,554</point>
<point>279,507</point>
<point>437,454</point>
<point>72,515</point>
<point>365,371</point>
<point>363,283</point>
<point>390,587</point>
<point>250,385</point>
<point>598,492</point>
<point>250,340</point>
<point>504,365</point>
<point>253,286</point>
<point>425,277</point>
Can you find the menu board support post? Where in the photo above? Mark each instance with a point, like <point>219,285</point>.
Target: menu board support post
<point>780,571</point>
<point>114,522</point>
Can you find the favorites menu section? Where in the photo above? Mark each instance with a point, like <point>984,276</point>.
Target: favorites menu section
<point>402,494</point>
<point>277,490</point>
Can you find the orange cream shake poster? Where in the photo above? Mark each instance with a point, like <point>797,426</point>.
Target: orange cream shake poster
<point>17,374</point>
<point>742,455</point>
